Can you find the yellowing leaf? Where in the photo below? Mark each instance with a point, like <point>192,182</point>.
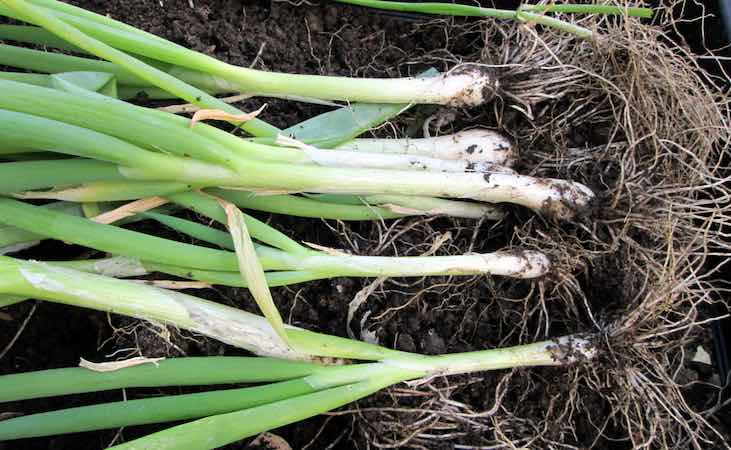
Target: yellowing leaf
<point>129,209</point>
<point>117,365</point>
<point>250,267</point>
<point>217,114</point>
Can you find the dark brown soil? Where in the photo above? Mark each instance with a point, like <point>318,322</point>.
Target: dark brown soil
<point>431,317</point>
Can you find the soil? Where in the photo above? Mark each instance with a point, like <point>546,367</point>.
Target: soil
<point>429,316</point>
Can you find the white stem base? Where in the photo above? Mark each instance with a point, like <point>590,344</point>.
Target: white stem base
<point>478,145</point>
<point>391,161</point>
<point>336,158</point>
<point>515,263</point>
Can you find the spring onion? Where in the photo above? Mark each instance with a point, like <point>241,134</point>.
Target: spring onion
<point>293,386</point>
<point>123,242</point>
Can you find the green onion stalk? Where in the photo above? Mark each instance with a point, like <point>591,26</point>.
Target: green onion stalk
<point>13,239</point>
<point>465,85</point>
<point>293,390</point>
<point>350,208</point>
<point>473,146</point>
<point>393,160</point>
<point>148,145</point>
<point>278,253</point>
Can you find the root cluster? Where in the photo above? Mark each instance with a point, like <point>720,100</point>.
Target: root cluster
<point>635,118</point>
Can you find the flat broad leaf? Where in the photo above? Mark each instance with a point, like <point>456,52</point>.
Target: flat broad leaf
<point>84,82</point>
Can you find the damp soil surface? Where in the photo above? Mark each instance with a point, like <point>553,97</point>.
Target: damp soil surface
<point>435,316</point>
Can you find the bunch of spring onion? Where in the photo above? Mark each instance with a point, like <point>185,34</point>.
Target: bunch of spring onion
<point>126,152</point>
<point>116,151</point>
<point>152,151</point>
<point>206,156</point>
<point>305,378</point>
<point>67,136</point>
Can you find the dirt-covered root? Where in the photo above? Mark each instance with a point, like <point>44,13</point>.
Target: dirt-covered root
<point>633,117</point>
<point>648,131</point>
<point>530,66</point>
